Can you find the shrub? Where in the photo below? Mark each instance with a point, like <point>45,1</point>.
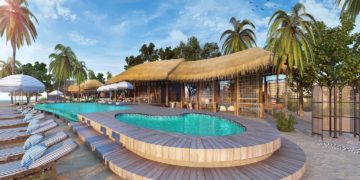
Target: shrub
<point>284,124</point>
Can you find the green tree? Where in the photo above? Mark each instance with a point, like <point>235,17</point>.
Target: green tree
<point>303,83</point>
<point>241,37</point>
<point>332,48</point>
<point>289,39</point>
<point>210,50</point>
<point>39,71</point>
<point>80,74</point>
<point>166,54</point>
<point>133,61</point>
<point>189,51</point>
<point>100,77</point>
<point>62,63</point>
<point>91,74</point>
<point>6,67</point>
<point>108,75</point>
<point>148,52</point>
<point>16,23</point>
<point>350,7</point>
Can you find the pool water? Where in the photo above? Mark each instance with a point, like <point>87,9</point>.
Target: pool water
<point>70,110</point>
<point>190,124</point>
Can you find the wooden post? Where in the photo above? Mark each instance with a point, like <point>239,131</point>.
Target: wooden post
<point>266,93</point>
<point>182,94</point>
<point>261,98</point>
<point>237,95</point>
<point>198,95</point>
<point>134,100</point>
<point>167,93</point>
<point>214,96</point>
<point>148,92</point>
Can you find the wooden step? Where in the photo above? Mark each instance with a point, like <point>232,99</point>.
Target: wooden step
<point>286,163</point>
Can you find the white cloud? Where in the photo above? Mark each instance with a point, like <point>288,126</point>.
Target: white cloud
<point>81,40</point>
<point>270,5</point>
<point>173,39</point>
<point>97,18</point>
<point>323,10</point>
<point>54,9</point>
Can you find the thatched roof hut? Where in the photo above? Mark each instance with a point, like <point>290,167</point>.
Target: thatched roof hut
<point>153,71</point>
<point>85,86</point>
<point>73,88</point>
<point>227,66</point>
<point>247,61</point>
<point>90,84</point>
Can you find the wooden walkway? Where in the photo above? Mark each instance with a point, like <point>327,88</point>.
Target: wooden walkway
<point>286,163</point>
<point>257,143</point>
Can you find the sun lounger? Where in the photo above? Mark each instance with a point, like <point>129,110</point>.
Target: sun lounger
<point>16,152</point>
<point>11,137</point>
<point>18,122</point>
<point>20,129</point>
<point>45,165</point>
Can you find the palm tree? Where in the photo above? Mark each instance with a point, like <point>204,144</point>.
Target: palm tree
<point>289,39</point>
<point>241,37</point>
<point>6,67</point>
<point>61,63</point>
<point>16,23</point>
<point>350,7</point>
<point>80,74</point>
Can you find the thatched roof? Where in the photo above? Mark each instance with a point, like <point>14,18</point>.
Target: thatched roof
<point>73,88</point>
<point>227,66</point>
<point>153,71</point>
<point>247,61</point>
<point>90,84</point>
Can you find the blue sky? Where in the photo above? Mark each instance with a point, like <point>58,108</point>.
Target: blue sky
<point>103,32</point>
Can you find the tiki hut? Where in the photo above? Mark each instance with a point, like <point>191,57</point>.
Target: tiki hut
<point>90,85</point>
<point>231,83</point>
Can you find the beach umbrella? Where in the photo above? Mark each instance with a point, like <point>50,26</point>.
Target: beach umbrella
<point>21,83</point>
<point>56,93</point>
<point>124,85</point>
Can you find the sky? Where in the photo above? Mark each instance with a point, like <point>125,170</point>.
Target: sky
<point>103,32</point>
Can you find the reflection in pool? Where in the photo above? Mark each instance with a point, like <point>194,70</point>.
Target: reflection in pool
<point>70,110</point>
<point>191,124</point>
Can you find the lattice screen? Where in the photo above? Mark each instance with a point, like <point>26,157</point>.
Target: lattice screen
<point>249,88</point>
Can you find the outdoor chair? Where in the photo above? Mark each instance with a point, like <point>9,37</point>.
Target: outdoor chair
<point>18,122</point>
<point>44,166</point>
<point>20,135</point>
<point>15,153</point>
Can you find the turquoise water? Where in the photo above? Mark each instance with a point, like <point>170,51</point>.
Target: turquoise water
<point>70,110</point>
<point>191,124</point>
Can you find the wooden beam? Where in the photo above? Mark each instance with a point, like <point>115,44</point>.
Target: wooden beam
<point>237,95</point>
<point>214,96</point>
<point>261,98</point>
<point>167,93</point>
<point>134,100</point>
<point>198,95</point>
<point>182,94</point>
<point>148,92</point>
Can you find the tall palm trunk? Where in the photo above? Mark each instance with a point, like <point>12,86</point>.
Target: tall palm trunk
<point>301,103</point>
<point>286,95</point>
<point>13,69</point>
<point>78,93</point>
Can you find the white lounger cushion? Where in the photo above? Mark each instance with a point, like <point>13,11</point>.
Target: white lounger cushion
<point>32,155</point>
<point>32,141</point>
<point>31,128</point>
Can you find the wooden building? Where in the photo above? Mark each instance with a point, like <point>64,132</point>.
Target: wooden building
<point>231,83</point>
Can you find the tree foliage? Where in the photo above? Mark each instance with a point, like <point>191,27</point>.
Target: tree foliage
<point>350,7</point>
<point>240,37</point>
<point>100,77</point>
<point>6,67</point>
<point>39,71</point>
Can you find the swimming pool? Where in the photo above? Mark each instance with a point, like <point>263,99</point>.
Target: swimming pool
<point>70,110</point>
<point>191,124</point>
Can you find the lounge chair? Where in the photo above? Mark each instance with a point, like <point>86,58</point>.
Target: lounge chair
<point>16,152</point>
<point>44,166</point>
<point>20,129</point>
<point>18,122</point>
<point>19,136</point>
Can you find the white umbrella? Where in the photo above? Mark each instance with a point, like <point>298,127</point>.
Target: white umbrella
<point>124,85</point>
<point>20,82</point>
<point>56,93</point>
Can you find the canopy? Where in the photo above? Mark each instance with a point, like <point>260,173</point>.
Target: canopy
<point>56,93</point>
<point>116,86</point>
<point>20,82</point>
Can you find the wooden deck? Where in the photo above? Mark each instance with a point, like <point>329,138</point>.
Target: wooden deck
<point>257,143</point>
<point>286,163</point>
